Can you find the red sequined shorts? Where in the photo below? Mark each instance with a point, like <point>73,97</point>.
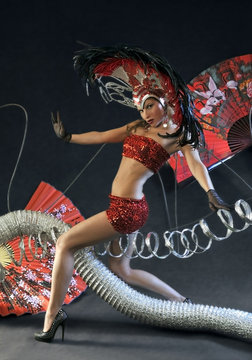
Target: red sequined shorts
<point>127,215</point>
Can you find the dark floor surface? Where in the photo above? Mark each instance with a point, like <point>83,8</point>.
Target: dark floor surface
<point>105,334</point>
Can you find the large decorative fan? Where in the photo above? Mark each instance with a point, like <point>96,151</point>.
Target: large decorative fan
<point>26,266</point>
<point>222,96</point>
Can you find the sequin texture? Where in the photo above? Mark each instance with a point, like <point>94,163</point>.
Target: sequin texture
<point>127,215</point>
<point>145,150</point>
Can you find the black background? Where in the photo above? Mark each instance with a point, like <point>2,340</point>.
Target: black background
<point>38,40</point>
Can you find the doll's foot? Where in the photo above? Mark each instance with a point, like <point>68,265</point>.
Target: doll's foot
<point>47,336</point>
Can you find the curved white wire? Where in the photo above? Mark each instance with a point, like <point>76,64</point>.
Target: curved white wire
<point>172,240</point>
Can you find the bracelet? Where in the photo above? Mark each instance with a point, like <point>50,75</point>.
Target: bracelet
<point>67,137</point>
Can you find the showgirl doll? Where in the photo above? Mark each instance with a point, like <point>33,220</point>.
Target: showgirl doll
<point>167,125</point>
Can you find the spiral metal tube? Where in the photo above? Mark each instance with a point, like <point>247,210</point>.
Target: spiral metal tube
<point>173,315</point>
<point>188,241</point>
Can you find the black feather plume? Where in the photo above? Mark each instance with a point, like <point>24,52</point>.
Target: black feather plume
<point>86,60</point>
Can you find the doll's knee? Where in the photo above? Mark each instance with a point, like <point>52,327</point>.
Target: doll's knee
<point>63,243</point>
<point>120,269</point>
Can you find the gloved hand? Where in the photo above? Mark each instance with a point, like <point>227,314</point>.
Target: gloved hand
<point>215,202</point>
<point>59,128</point>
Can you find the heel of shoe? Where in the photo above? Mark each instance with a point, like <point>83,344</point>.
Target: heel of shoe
<point>63,330</point>
<point>48,336</point>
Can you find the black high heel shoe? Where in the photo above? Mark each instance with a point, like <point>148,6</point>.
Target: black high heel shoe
<point>47,336</point>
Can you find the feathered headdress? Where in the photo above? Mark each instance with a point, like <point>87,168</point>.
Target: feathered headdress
<point>140,74</point>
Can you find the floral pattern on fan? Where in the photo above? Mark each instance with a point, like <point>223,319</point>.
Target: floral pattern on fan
<point>26,267</point>
<point>222,96</point>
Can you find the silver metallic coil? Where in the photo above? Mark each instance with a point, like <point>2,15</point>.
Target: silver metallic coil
<point>189,241</point>
<point>173,315</point>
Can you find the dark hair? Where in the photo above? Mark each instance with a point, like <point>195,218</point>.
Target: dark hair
<point>191,134</point>
<point>190,129</point>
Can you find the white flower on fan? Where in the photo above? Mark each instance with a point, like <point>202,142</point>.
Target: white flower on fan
<point>47,277</point>
<point>232,84</point>
<point>32,299</point>
<point>14,293</point>
<point>46,293</point>
<point>249,89</point>
<point>73,282</point>
<point>63,208</point>
<point>30,275</point>
<point>21,283</point>
<point>213,96</point>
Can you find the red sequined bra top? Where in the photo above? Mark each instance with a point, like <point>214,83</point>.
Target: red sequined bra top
<point>145,150</point>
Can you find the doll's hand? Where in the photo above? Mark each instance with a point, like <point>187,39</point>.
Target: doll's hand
<point>216,203</point>
<point>59,128</point>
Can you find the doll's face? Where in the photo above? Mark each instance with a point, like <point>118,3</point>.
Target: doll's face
<point>153,112</point>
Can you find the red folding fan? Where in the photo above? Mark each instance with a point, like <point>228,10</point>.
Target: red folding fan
<point>26,269</point>
<point>222,96</point>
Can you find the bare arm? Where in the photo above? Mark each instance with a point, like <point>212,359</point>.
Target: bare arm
<point>197,168</point>
<point>201,174</point>
<point>91,137</point>
<point>99,137</point>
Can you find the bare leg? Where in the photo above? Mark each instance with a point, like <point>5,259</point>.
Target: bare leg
<point>121,267</point>
<point>89,232</point>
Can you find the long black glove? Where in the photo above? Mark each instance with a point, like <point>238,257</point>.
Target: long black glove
<point>59,128</point>
<point>216,203</point>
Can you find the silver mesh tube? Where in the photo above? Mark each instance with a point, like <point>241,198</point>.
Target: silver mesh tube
<point>172,315</point>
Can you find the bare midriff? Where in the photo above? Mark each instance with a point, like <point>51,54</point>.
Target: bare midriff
<point>132,174</point>
<point>130,179</point>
